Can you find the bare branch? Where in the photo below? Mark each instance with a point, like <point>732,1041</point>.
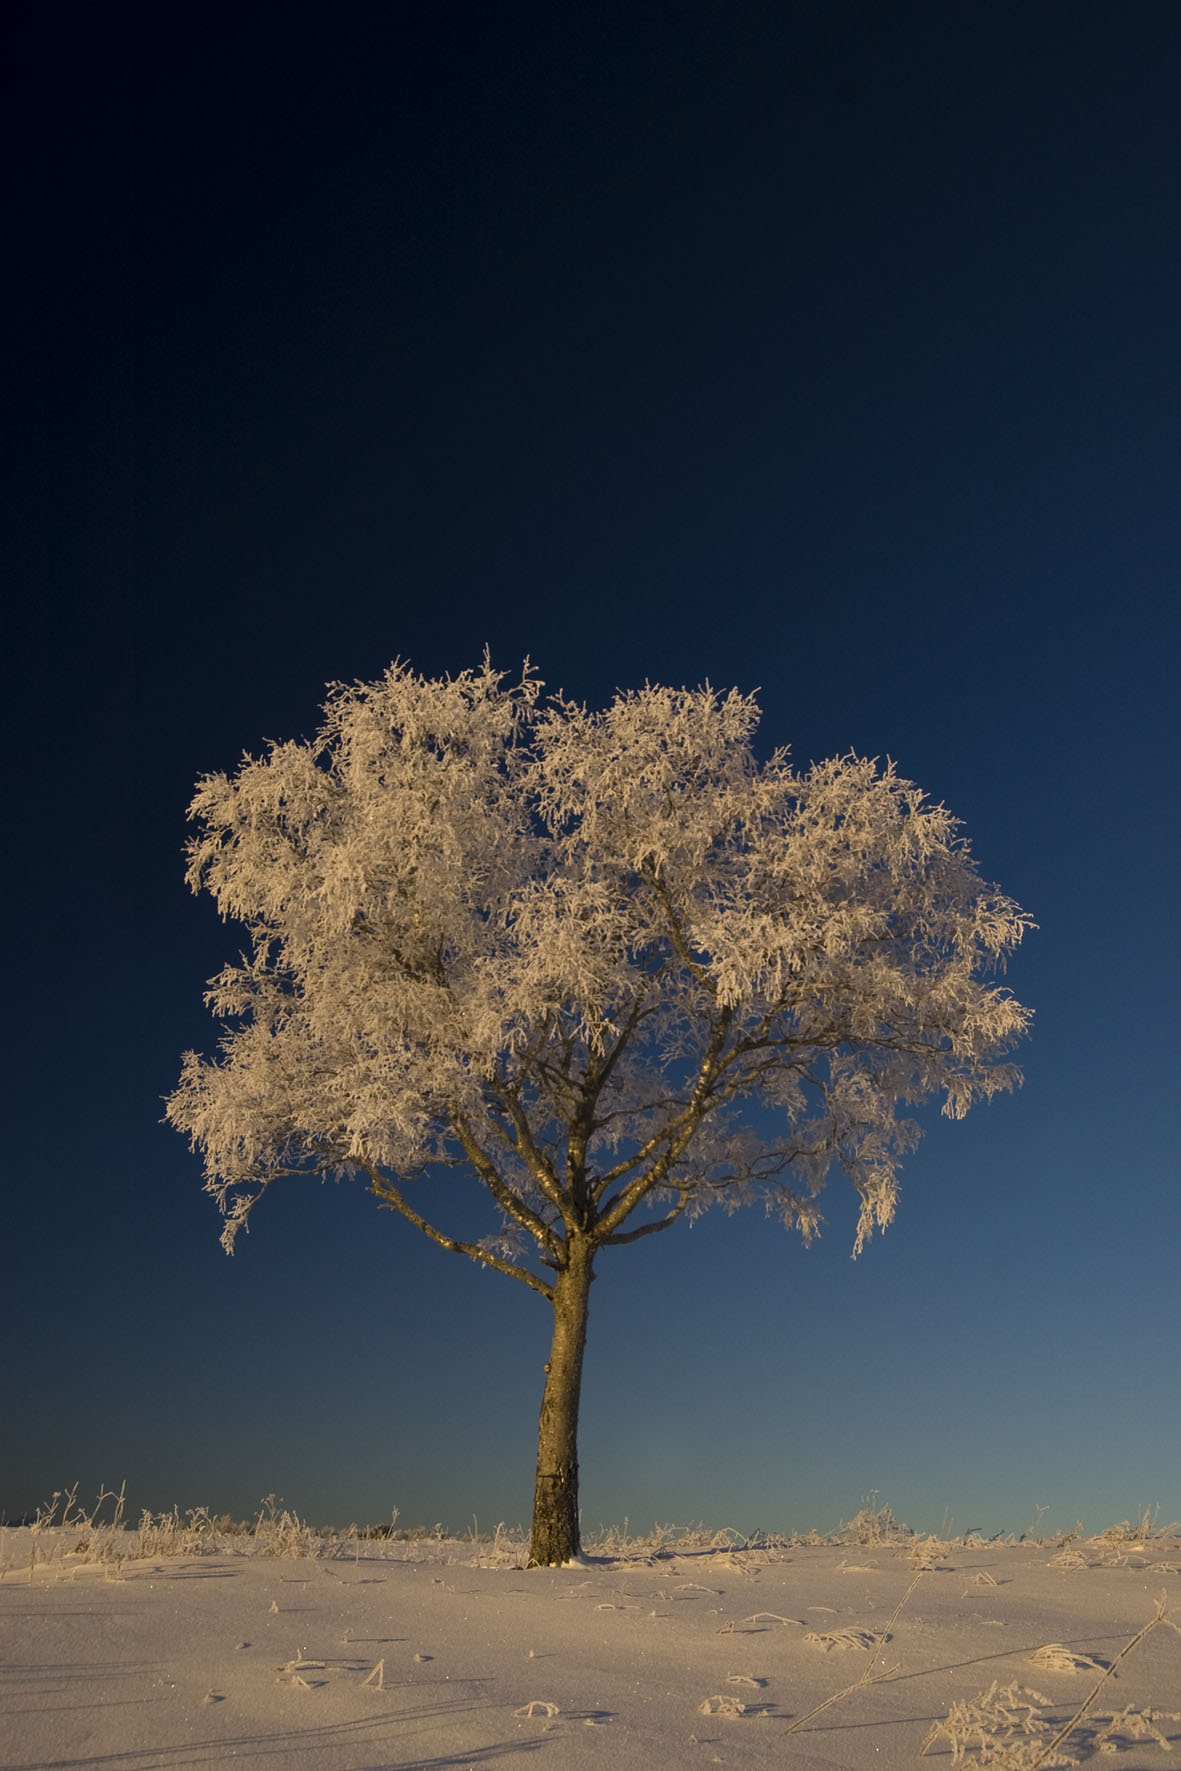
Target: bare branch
<point>582,1124</point>
<point>539,1166</point>
<point>674,1136</point>
<point>505,1197</point>
<point>648,1229</point>
<point>388,1195</point>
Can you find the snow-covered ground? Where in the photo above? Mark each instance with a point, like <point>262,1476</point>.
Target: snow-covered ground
<point>420,1654</point>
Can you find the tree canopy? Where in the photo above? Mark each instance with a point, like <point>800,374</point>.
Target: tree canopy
<point>570,951</point>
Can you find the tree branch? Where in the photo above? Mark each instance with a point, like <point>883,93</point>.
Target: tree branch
<point>388,1195</point>
<point>678,939</point>
<point>582,1123</point>
<point>625,1202</point>
<point>628,1163</point>
<point>540,1169</point>
<point>648,1229</point>
<point>676,1135</point>
<point>503,1194</point>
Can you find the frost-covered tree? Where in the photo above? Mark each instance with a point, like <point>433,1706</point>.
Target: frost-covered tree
<point>569,951</point>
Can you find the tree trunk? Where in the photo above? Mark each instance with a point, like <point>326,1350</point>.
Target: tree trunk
<point>555,1501</point>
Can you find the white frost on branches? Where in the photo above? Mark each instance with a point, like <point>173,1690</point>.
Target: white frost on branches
<point>572,950</point>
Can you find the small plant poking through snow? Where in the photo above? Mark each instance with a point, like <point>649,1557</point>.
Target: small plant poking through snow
<point>874,1525</point>
<point>995,1722</point>
<point>88,1537</point>
<point>1127,1533</point>
<point>1054,1658</point>
<point>1134,1724</point>
<point>830,1639</point>
<point>928,1552</point>
<point>1006,1728</point>
<point>730,1708</point>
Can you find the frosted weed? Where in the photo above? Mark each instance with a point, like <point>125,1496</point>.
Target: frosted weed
<point>873,1525</point>
<point>731,1709</point>
<point>928,1552</point>
<point>996,1722</point>
<point>1057,1659</point>
<point>1008,1729</point>
<point>847,1638</point>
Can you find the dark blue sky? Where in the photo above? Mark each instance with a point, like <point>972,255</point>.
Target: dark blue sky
<point>830,349</point>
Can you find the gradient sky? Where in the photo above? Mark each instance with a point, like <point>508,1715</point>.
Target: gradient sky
<point>827,349</point>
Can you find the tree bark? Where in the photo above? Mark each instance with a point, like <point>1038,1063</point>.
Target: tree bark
<point>555,1502</point>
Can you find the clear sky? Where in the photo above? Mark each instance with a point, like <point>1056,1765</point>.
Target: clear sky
<point>827,349</point>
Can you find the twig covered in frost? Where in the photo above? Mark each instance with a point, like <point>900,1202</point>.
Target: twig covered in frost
<point>868,1677</point>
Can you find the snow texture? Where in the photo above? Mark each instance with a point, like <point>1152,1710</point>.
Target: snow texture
<point>420,1654</point>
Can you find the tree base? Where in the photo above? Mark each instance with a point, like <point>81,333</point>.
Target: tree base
<point>556,1537</point>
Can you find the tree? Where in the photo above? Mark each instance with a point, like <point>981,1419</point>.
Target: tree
<point>569,951</point>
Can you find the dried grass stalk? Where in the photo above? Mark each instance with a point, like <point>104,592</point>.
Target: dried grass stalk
<point>1055,1658</point>
<point>868,1677</point>
<point>849,1638</point>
